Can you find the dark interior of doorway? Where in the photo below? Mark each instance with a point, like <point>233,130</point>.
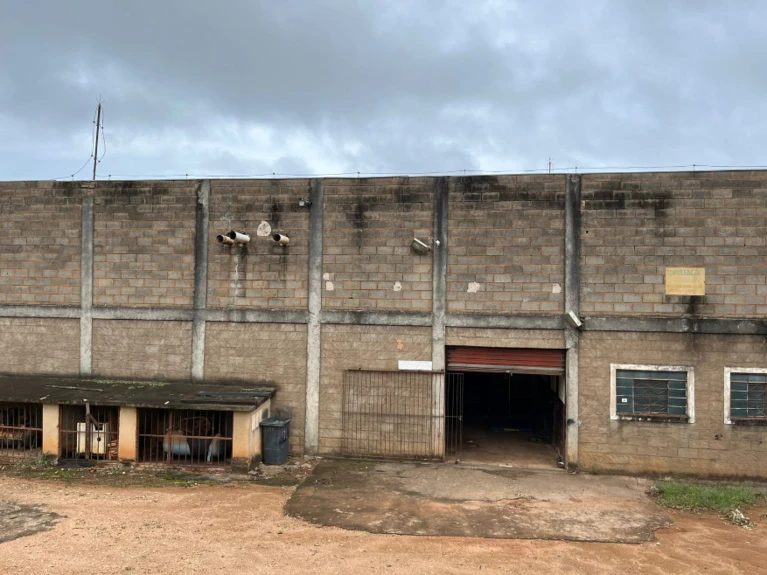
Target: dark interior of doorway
<point>512,419</point>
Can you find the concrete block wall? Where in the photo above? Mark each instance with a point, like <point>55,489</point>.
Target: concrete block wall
<point>268,354</point>
<point>143,244</point>
<point>262,274</point>
<point>142,349</point>
<point>368,229</point>
<point>40,243</point>
<point>635,225</point>
<point>348,347</point>
<point>706,447</point>
<point>506,244</point>
<point>486,337</point>
<point>38,345</point>
<point>506,234</point>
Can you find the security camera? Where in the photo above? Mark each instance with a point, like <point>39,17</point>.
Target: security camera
<point>420,247</point>
<point>281,239</point>
<point>572,319</point>
<point>238,237</point>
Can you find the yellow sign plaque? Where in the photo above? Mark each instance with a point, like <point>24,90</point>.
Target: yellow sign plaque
<point>685,281</point>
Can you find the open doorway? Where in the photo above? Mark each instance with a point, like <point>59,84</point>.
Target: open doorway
<point>510,414</point>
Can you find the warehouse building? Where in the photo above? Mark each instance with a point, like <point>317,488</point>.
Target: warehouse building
<point>607,322</point>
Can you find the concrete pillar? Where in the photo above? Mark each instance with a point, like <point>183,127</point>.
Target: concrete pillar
<point>202,227</point>
<point>572,303</point>
<point>128,434</point>
<point>314,327</point>
<point>439,273</point>
<point>438,309</point>
<point>86,286</point>
<point>51,429</point>
<point>241,448</point>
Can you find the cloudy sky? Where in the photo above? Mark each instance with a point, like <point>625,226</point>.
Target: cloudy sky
<point>247,87</point>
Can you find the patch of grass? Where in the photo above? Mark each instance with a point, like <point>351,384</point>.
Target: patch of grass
<point>704,496</point>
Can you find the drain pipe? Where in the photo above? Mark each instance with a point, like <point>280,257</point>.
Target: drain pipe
<point>226,240</point>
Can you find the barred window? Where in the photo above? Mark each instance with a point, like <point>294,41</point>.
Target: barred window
<point>650,393</point>
<point>748,395</point>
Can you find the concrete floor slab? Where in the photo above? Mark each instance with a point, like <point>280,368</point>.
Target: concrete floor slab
<point>512,449</point>
<point>452,500</point>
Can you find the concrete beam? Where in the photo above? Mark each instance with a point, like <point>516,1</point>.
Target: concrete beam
<point>42,311</point>
<point>202,225</point>
<point>86,286</point>
<point>572,304</point>
<point>478,320</point>
<point>708,326</point>
<point>676,325</point>
<point>422,319</point>
<point>439,272</point>
<point>257,315</point>
<point>314,326</point>
<point>145,314</point>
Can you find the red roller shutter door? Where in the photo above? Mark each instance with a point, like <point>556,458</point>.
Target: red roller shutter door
<point>514,360</point>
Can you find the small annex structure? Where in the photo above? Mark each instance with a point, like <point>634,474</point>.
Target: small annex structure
<point>145,422</point>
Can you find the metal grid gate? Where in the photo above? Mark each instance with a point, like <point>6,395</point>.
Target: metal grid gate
<point>454,415</point>
<point>21,429</point>
<point>393,414</point>
<point>185,436</point>
<point>88,432</point>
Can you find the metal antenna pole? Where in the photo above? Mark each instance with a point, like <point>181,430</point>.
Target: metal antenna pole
<point>96,150</point>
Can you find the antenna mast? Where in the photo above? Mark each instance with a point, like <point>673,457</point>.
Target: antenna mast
<point>96,150</point>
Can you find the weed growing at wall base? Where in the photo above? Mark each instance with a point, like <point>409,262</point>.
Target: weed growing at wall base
<point>693,496</point>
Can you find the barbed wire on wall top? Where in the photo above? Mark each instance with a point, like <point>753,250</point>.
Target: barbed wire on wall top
<point>465,172</point>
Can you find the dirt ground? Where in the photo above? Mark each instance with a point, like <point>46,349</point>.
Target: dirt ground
<point>240,527</point>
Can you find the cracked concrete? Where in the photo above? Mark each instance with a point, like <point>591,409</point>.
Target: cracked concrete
<point>450,500</point>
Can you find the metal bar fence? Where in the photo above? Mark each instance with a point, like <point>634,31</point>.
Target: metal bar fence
<point>391,414</point>
<point>21,430</point>
<point>88,432</point>
<point>454,415</point>
<point>185,437</point>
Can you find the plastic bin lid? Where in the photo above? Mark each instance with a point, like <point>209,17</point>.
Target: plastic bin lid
<point>275,422</point>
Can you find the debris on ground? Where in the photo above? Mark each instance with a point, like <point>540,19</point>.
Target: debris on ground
<point>737,517</point>
<point>291,473</point>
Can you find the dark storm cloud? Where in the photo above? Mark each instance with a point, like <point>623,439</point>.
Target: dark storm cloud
<point>242,87</point>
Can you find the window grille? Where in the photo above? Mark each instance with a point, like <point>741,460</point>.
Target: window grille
<point>649,393</point>
<point>748,395</point>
